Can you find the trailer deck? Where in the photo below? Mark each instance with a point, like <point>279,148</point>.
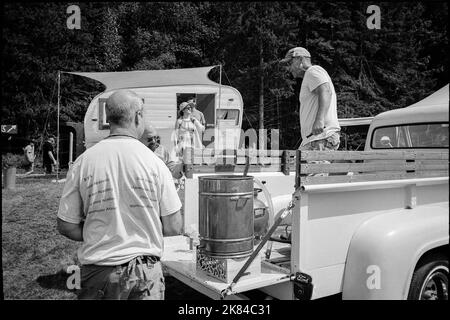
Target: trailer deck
<point>180,261</point>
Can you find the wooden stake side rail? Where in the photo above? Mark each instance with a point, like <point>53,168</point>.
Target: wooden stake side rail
<point>342,166</point>
<point>374,155</point>
<point>235,168</point>
<point>305,180</point>
<point>370,166</point>
<point>207,161</point>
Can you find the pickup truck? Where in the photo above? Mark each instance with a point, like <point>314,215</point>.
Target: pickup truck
<point>375,227</point>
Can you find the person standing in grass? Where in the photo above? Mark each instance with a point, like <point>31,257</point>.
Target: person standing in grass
<point>48,157</point>
<point>119,200</point>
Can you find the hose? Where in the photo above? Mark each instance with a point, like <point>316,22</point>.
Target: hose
<point>268,198</point>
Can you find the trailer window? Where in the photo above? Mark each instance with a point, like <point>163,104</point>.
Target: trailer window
<point>423,135</point>
<point>230,116</point>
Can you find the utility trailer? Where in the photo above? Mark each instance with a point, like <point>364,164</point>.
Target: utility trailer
<point>363,235</point>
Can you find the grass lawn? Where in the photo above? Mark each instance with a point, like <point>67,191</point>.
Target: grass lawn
<point>33,252</point>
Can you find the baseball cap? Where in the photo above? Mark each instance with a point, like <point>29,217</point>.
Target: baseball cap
<point>295,52</point>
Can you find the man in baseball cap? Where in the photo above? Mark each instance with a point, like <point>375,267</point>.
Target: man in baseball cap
<point>295,59</point>
<point>318,110</point>
<point>296,52</point>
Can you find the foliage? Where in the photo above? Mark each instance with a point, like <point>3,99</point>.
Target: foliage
<point>11,160</point>
<point>372,70</point>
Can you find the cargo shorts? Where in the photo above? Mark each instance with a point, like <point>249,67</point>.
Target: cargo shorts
<point>330,143</point>
<point>140,279</point>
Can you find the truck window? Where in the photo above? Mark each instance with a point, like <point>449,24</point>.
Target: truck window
<point>421,135</point>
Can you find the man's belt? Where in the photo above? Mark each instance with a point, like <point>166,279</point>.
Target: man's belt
<point>144,259</point>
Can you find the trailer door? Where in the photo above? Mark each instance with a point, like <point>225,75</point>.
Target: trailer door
<point>205,104</point>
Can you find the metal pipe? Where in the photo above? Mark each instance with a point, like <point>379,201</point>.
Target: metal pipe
<point>220,84</point>
<point>57,125</point>
<point>368,185</point>
<point>70,148</point>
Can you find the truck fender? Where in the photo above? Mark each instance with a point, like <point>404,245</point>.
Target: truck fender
<point>385,249</point>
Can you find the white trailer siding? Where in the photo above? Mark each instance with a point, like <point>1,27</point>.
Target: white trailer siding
<point>161,108</point>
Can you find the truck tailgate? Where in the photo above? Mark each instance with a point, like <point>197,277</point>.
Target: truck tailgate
<point>179,262</point>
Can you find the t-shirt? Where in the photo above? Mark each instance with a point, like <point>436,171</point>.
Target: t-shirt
<point>121,189</point>
<point>29,153</point>
<point>45,149</point>
<point>309,105</point>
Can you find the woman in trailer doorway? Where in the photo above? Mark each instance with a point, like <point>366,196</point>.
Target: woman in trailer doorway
<point>188,130</point>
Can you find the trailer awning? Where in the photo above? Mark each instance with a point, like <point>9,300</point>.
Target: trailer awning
<point>150,78</point>
<point>350,122</point>
<point>433,108</point>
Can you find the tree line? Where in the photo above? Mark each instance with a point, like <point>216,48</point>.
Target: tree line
<point>373,70</point>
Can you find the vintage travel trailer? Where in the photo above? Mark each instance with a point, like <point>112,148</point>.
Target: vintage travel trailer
<point>162,91</point>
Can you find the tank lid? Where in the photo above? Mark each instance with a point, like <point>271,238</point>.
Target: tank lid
<point>226,177</point>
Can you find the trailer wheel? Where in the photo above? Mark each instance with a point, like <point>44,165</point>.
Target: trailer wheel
<point>430,280</point>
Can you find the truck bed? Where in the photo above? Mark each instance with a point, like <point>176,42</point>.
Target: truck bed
<point>330,210</point>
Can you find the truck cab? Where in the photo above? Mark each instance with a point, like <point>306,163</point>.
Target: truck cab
<point>421,126</point>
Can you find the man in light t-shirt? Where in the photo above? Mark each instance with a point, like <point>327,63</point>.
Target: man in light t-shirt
<point>119,200</point>
<point>318,111</point>
<point>29,156</point>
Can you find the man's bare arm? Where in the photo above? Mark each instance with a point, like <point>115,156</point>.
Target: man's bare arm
<point>72,231</point>
<point>50,154</point>
<point>324,93</point>
<point>172,224</point>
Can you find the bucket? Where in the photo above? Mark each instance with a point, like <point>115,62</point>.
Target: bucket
<point>226,221</point>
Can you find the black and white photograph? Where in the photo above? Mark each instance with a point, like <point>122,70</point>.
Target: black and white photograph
<point>240,153</point>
